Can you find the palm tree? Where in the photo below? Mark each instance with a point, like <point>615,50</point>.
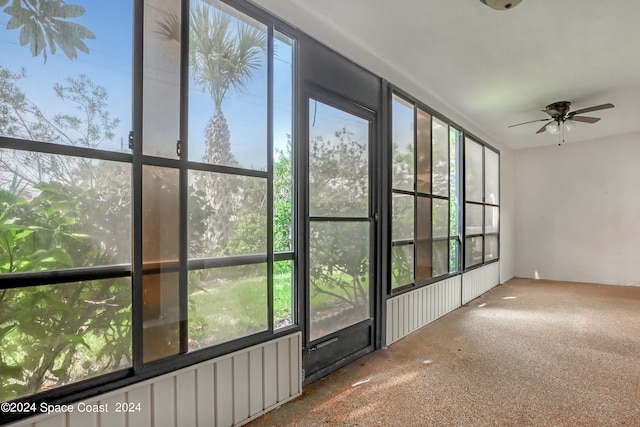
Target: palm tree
<point>221,59</point>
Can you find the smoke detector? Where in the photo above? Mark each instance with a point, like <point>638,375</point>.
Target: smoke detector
<point>501,4</point>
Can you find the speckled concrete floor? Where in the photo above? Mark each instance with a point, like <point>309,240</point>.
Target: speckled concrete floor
<point>527,353</point>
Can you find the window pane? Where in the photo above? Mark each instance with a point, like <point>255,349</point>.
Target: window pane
<point>62,212</point>
<point>491,219</point>
<point>492,176</point>
<point>423,229</point>
<point>473,171</point>
<point>338,162</point>
<point>401,265</point>
<point>44,347</point>
<point>440,258</point>
<point>424,261</point>
<point>402,217</point>
<point>455,136</point>
<point>423,239</point>
<point>440,158</point>
<point>440,218</point>
<point>227,215</point>
<point>423,174</point>
<point>473,219</point>
<point>227,87</point>
<point>226,303</point>
<point>338,275</point>
<point>160,214</point>
<point>283,294</point>
<point>160,311</point>
<point>283,155</point>
<point>472,251</point>
<point>76,91</point>
<point>283,200</point>
<point>402,151</point>
<point>161,89</point>
<point>160,256</point>
<point>454,256</point>
<point>490,247</point>
<point>455,208</point>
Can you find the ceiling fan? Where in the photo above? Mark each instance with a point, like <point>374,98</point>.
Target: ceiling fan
<point>559,112</point>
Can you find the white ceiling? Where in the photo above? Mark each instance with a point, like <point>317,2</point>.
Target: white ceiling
<point>493,68</point>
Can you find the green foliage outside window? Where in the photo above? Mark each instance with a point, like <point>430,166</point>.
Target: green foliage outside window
<point>340,179</point>
<point>61,212</point>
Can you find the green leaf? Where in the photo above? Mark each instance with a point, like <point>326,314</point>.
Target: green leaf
<point>7,241</point>
<point>62,257</point>
<point>36,38</point>
<point>4,331</point>
<point>59,373</point>
<point>77,339</point>
<point>9,224</point>
<point>68,11</point>
<point>65,220</point>
<point>22,14</point>
<point>67,47</point>
<point>3,3</point>
<point>51,39</point>
<point>23,234</point>
<point>78,236</point>
<point>14,23</point>
<point>24,36</point>
<point>73,31</point>
<point>33,329</point>
<point>23,266</point>
<point>82,47</point>
<point>7,371</point>
<point>57,304</point>
<point>8,197</point>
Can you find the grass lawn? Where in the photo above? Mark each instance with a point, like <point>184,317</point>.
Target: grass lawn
<point>236,308</point>
<point>231,309</point>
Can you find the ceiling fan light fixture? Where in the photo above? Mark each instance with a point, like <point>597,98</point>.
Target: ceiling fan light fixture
<point>501,4</point>
<point>569,124</point>
<point>553,128</point>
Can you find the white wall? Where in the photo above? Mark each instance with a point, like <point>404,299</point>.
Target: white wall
<point>578,211</point>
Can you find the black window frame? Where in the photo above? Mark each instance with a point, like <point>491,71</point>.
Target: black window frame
<point>456,238</point>
<point>483,204</point>
<point>141,371</point>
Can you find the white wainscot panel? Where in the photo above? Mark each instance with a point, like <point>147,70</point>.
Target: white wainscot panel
<point>411,311</point>
<point>228,391</point>
<point>477,282</point>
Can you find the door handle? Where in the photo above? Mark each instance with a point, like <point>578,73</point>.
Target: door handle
<point>323,344</point>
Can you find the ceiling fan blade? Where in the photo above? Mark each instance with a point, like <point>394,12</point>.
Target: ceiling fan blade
<point>542,129</point>
<point>594,108</point>
<point>531,121</point>
<point>584,119</point>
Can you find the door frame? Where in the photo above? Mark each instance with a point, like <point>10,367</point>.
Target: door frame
<point>336,352</point>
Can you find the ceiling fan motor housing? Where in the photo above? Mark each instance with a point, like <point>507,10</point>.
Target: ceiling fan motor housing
<point>558,110</point>
<point>501,4</point>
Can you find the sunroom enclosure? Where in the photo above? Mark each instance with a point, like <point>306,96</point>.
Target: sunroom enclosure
<point>203,205</point>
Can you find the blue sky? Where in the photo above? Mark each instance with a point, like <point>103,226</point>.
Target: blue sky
<point>109,64</point>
